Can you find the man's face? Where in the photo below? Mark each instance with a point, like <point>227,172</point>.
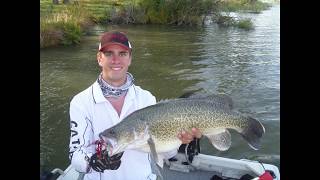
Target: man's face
<point>115,61</point>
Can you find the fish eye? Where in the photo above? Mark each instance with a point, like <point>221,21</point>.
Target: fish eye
<point>112,132</point>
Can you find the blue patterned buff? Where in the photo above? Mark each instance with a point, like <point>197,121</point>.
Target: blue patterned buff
<point>111,91</point>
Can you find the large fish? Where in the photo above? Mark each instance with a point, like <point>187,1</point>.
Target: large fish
<point>161,123</point>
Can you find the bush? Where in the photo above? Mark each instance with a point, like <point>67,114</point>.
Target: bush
<point>245,24</point>
<point>178,12</point>
<point>64,27</point>
<point>72,33</point>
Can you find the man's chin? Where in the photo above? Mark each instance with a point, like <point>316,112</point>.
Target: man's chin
<point>117,78</point>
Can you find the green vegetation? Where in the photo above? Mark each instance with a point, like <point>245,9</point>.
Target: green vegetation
<point>177,12</point>
<point>245,24</point>
<point>252,6</point>
<point>65,24</point>
<point>247,6</point>
<point>227,21</point>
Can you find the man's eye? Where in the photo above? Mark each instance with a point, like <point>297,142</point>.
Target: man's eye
<point>108,54</point>
<point>123,54</point>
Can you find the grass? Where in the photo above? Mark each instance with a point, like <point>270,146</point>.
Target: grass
<point>96,9</point>
<point>63,24</point>
<point>244,6</point>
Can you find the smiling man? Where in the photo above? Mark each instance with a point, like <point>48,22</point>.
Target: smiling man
<point>111,98</point>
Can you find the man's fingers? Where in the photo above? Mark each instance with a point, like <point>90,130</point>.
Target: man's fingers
<point>189,137</point>
<point>186,137</point>
<point>196,132</point>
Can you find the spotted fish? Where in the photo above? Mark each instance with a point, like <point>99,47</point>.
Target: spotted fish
<point>212,115</point>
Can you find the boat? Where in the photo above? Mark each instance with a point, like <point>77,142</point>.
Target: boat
<point>201,166</point>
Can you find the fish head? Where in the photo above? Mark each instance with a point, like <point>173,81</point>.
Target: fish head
<point>116,140</point>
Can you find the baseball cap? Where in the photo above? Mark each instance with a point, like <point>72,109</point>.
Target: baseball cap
<point>114,37</point>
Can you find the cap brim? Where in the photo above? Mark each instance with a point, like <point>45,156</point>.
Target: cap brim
<point>113,43</point>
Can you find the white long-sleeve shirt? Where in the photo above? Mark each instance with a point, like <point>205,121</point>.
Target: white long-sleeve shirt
<point>90,114</point>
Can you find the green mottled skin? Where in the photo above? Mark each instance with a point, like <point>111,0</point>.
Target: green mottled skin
<point>166,119</point>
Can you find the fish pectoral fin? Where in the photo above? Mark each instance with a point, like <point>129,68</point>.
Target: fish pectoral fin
<point>160,161</point>
<point>153,151</point>
<point>155,159</point>
<point>221,141</point>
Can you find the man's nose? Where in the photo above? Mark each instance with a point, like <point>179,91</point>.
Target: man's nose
<point>115,58</point>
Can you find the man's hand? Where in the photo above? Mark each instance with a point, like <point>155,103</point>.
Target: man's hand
<point>187,137</point>
<point>103,162</point>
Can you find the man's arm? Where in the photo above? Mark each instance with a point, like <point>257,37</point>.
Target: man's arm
<point>80,137</point>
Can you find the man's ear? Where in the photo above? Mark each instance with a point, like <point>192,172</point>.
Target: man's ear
<point>130,60</point>
<point>99,58</point>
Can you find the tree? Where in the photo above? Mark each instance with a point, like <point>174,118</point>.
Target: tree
<point>66,1</point>
<point>55,1</point>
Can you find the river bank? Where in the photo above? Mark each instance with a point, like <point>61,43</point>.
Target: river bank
<point>65,24</point>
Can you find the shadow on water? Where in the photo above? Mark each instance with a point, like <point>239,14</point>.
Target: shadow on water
<point>169,61</point>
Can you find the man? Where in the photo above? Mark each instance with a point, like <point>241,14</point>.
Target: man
<point>105,103</point>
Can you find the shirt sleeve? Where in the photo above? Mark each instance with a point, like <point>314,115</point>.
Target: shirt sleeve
<point>151,100</point>
<point>80,146</point>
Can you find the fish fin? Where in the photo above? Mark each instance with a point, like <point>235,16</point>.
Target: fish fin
<point>160,161</point>
<point>190,94</point>
<point>221,141</point>
<point>221,100</point>
<point>155,168</point>
<point>153,151</point>
<point>155,159</point>
<point>253,132</point>
<point>158,158</point>
<point>163,101</point>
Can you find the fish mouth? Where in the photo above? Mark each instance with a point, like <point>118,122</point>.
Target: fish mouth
<point>110,144</point>
<point>116,150</point>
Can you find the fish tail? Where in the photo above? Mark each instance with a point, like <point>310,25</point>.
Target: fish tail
<point>253,132</point>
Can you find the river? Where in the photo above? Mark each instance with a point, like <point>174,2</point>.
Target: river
<point>169,61</point>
